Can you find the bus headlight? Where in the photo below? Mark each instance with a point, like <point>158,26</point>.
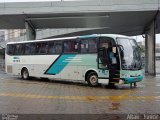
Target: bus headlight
<point>125,75</point>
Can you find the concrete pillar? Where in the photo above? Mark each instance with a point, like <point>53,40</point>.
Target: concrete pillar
<point>30,31</point>
<point>150,50</point>
<point>146,54</point>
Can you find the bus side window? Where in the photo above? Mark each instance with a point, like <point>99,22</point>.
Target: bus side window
<point>29,48</point>
<point>41,48</point>
<point>88,45</point>
<point>92,45</point>
<point>58,47</point>
<point>70,46</point>
<point>84,46</point>
<point>26,49</point>
<point>38,46</point>
<point>10,49</point>
<point>32,48</point>
<point>16,49</point>
<point>51,48</point>
<point>21,52</point>
<point>66,46</point>
<point>19,49</point>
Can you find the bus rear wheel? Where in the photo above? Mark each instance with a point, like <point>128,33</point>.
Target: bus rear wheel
<point>92,79</point>
<point>25,74</point>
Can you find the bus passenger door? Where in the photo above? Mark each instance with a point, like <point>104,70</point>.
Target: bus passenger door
<point>108,59</point>
<point>103,72</point>
<point>114,65</point>
<point>102,59</point>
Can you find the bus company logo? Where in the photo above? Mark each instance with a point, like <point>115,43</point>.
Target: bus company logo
<point>16,59</point>
<point>73,59</point>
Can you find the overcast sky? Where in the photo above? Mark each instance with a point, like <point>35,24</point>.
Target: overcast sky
<point>139,38</point>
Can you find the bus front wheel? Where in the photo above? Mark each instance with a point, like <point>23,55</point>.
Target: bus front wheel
<point>92,79</point>
<point>25,74</point>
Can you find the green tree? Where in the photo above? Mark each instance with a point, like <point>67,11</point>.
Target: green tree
<point>142,48</point>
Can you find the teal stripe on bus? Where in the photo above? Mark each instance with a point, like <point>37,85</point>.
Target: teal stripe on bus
<point>58,65</point>
<point>87,36</point>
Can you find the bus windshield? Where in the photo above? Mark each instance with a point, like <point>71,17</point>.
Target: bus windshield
<point>129,54</point>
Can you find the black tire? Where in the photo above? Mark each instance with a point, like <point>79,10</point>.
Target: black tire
<point>92,79</point>
<point>25,74</point>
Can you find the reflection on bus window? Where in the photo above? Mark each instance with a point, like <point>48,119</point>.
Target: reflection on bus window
<point>92,45</point>
<point>84,46</point>
<point>58,47</point>
<point>88,45</point>
<point>10,49</point>
<point>70,46</point>
<point>29,48</point>
<point>26,49</point>
<point>51,48</point>
<point>19,49</point>
<point>41,48</point>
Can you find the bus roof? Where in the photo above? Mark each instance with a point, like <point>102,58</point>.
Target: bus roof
<point>66,38</point>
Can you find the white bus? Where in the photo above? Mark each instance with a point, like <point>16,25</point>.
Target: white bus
<point>105,59</point>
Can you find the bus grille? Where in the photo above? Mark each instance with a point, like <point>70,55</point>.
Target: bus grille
<point>9,68</point>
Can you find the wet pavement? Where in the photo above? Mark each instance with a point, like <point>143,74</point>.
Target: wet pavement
<point>158,66</point>
<point>38,96</point>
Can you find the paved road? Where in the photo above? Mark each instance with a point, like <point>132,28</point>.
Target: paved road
<point>158,66</point>
<point>40,96</point>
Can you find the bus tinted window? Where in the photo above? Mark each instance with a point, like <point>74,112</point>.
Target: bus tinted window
<point>29,48</point>
<point>70,46</point>
<point>32,48</point>
<point>84,46</point>
<point>58,47</point>
<point>10,49</point>
<point>41,48</point>
<point>19,49</point>
<point>55,47</point>
<point>26,49</point>
<point>88,45</point>
<point>92,45</point>
<point>51,48</point>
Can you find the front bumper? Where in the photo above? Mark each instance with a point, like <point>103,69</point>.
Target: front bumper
<point>132,79</point>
